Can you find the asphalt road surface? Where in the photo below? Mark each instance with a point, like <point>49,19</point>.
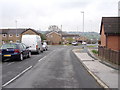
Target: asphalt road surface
<point>56,68</point>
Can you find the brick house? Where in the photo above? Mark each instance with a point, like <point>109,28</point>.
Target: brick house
<point>30,32</point>
<point>11,35</point>
<point>110,38</point>
<point>14,35</point>
<point>54,38</point>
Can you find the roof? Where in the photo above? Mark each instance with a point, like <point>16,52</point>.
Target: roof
<point>37,32</point>
<point>111,25</point>
<point>18,31</point>
<point>53,32</point>
<point>12,31</point>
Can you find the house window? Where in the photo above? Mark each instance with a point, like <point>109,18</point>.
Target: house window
<point>17,35</point>
<point>10,35</point>
<point>4,35</point>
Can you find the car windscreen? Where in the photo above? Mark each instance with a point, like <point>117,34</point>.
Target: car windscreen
<point>9,46</point>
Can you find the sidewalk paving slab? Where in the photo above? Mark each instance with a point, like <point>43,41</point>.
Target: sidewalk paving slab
<point>105,74</point>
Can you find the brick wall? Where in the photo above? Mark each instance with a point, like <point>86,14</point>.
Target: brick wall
<point>103,37</point>
<point>113,42</point>
<point>54,38</point>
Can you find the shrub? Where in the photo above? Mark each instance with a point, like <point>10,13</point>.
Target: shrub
<point>95,51</point>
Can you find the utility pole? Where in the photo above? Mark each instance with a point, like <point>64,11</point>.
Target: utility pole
<point>16,29</point>
<point>83,23</point>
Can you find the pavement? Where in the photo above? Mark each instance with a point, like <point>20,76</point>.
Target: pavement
<point>106,76</point>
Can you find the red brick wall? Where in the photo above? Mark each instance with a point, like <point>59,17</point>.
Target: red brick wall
<point>54,38</point>
<point>103,37</point>
<point>113,42</point>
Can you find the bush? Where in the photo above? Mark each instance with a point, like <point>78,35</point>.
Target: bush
<point>95,51</point>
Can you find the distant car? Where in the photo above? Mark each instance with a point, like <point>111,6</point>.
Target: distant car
<point>44,46</point>
<point>84,43</point>
<point>17,51</point>
<point>75,43</point>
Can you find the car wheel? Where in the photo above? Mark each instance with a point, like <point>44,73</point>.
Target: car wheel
<point>38,51</point>
<point>29,54</point>
<point>42,51</point>
<point>21,57</point>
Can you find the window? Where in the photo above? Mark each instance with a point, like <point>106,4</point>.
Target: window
<point>17,35</point>
<point>10,35</point>
<point>4,35</point>
<point>24,46</point>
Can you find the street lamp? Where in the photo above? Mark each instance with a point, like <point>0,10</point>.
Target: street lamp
<point>16,28</point>
<point>83,20</point>
<point>83,23</point>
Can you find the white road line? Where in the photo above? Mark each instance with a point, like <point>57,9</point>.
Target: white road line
<point>46,56</point>
<point>17,76</point>
<point>42,58</point>
<point>10,63</point>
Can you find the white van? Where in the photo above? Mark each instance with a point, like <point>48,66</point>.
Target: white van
<point>33,41</point>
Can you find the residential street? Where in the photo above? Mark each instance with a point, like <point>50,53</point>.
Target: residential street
<point>56,68</point>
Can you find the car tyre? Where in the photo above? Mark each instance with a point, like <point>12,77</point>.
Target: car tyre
<point>38,52</point>
<point>29,54</point>
<point>21,57</point>
<point>42,51</point>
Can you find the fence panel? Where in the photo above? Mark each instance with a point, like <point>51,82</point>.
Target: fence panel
<point>110,55</point>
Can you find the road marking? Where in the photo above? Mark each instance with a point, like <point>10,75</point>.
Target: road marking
<point>11,63</point>
<point>17,76</point>
<point>42,58</point>
<point>46,56</point>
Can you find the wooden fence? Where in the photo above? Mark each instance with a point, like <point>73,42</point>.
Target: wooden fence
<point>110,55</point>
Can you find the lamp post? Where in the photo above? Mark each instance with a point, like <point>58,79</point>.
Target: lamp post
<point>16,28</point>
<point>83,20</point>
<point>83,23</point>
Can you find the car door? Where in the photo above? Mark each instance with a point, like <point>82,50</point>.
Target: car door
<point>23,50</point>
<point>26,50</point>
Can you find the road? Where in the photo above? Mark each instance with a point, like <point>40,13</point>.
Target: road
<point>56,68</point>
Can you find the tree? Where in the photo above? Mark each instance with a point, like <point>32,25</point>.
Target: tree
<point>43,37</point>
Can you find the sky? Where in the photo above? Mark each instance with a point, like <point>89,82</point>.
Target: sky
<point>40,14</point>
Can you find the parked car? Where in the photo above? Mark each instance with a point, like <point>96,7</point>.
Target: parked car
<point>75,43</point>
<point>33,41</point>
<point>17,51</point>
<point>84,43</point>
<point>44,46</point>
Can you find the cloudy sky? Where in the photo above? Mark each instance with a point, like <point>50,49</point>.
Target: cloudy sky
<point>40,14</point>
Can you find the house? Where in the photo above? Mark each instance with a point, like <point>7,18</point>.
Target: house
<point>109,48</point>
<point>11,35</point>
<point>110,33</point>
<point>54,38</point>
<point>30,31</point>
<point>14,35</point>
